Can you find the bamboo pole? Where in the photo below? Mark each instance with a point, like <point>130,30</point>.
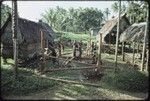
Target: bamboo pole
<point>145,35</point>
<point>123,46</point>
<point>147,60</point>
<point>42,48</point>
<point>0,19</point>
<point>67,81</point>
<point>64,69</point>
<point>99,50</point>
<point>118,31</point>
<point>15,32</point>
<point>80,68</point>
<point>90,43</point>
<point>133,56</point>
<point>138,44</point>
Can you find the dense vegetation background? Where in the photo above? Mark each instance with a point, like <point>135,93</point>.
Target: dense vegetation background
<point>80,20</point>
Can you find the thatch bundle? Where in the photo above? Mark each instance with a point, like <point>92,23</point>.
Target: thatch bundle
<point>29,37</point>
<point>134,33</point>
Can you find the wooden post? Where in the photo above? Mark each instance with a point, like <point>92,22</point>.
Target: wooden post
<point>47,43</point>
<point>145,35</point>
<point>133,53</point>
<point>99,50</point>
<point>118,31</point>
<point>59,48</point>
<point>90,43</point>
<point>123,46</point>
<point>147,60</point>
<point>15,32</point>
<point>42,48</point>
<point>74,49</point>
<point>138,44</point>
<point>0,19</point>
<point>80,49</point>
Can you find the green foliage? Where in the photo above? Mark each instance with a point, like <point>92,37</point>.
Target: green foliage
<point>115,7</point>
<point>136,10</point>
<point>73,20</point>
<point>64,36</point>
<point>106,13</point>
<point>5,9</point>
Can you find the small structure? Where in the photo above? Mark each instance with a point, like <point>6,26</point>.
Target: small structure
<point>109,30</point>
<point>28,38</point>
<point>134,33</point>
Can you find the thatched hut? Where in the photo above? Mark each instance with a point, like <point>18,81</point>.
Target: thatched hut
<point>134,33</point>
<point>109,30</point>
<point>29,38</point>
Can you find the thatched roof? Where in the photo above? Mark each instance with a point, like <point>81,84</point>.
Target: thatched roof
<point>28,31</point>
<point>109,29</point>
<point>134,33</point>
<point>110,24</point>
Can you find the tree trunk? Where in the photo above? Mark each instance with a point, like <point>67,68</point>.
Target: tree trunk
<point>117,37</point>
<point>15,32</point>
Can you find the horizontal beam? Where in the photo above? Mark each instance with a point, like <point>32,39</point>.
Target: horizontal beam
<point>60,69</point>
<point>80,68</point>
<point>67,81</point>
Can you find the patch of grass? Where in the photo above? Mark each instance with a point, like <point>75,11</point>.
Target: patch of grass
<point>75,90</point>
<point>128,79</point>
<point>73,36</point>
<point>23,85</point>
<point>131,80</point>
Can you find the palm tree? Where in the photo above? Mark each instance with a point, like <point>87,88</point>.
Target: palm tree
<point>115,7</point>
<point>107,12</point>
